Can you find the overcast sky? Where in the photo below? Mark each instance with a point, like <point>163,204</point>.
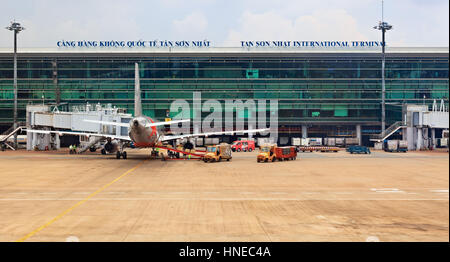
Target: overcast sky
<point>225,22</point>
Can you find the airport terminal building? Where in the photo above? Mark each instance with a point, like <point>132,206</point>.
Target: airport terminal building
<point>328,92</point>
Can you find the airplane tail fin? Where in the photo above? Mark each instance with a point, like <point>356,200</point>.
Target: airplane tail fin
<point>137,92</point>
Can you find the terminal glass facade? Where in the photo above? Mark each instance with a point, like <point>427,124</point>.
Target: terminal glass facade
<point>325,89</point>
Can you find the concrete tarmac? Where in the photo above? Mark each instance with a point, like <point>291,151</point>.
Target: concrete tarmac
<point>54,196</point>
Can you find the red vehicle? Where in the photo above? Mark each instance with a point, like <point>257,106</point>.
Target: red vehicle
<point>270,153</point>
<point>286,153</point>
<point>243,145</point>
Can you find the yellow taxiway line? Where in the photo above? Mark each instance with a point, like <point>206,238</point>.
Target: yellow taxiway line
<point>77,204</point>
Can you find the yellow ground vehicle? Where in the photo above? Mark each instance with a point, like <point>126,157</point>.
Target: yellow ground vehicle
<point>217,153</point>
<point>266,153</point>
<point>270,153</point>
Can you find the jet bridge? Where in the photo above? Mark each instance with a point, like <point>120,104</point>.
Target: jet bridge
<point>44,117</point>
<point>419,125</point>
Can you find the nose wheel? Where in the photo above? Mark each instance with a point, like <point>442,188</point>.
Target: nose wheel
<point>121,154</point>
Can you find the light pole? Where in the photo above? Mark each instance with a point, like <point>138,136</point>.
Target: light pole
<point>16,27</point>
<point>383,26</point>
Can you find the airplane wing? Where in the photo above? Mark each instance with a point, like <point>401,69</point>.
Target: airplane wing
<point>107,123</point>
<point>168,122</point>
<point>126,138</point>
<point>167,138</point>
<point>127,125</point>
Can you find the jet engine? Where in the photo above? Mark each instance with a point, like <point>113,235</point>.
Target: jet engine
<point>111,146</point>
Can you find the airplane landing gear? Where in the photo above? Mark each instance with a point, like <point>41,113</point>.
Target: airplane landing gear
<point>121,154</point>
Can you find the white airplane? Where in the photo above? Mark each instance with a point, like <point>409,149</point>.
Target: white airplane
<point>142,130</point>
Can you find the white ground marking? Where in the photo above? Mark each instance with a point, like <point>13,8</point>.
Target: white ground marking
<point>72,239</point>
<point>439,191</point>
<point>372,239</point>
<point>386,190</point>
<point>321,217</point>
<point>375,189</point>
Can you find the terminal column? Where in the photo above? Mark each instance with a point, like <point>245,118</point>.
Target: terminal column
<point>358,133</point>
<point>304,131</point>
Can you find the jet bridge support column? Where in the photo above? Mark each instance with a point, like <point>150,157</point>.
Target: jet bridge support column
<point>426,138</point>
<point>419,139</point>
<point>433,138</point>
<point>410,134</point>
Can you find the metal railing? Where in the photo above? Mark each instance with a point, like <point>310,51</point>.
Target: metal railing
<point>8,135</point>
<point>389,131</point>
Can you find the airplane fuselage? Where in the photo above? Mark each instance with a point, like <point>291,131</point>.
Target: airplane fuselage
<point>142,134</point>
